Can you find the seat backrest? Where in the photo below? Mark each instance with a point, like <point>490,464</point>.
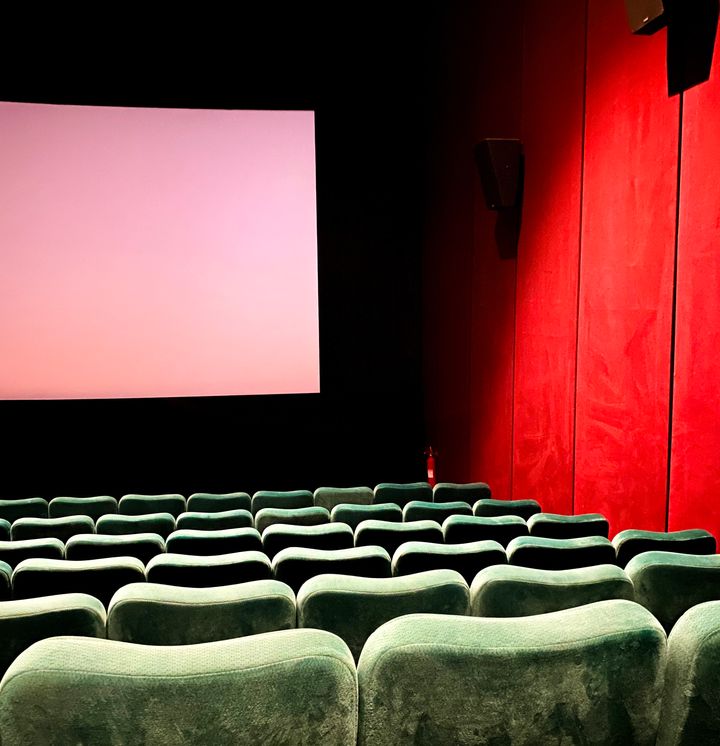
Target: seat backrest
<point>154,523</point>
<point>94,507</point>
<point>142,504</point>
<point>489,508</point>
<point>459,529</point>
<point>418,510</point>
<point>286,499</point>
<point>99,546</point>
<point>390,536</point>
<point>555,526</point>
<point>51,528</point>
<point>326,536</point>
<point>560,554</point>
<point>14,552</point>
<point>630,543</point>
<point>218,520</point>
<point>312,516</point>
<point>214,502</point>
<point>469,492</point>
<point>329,497</point>
<point>219,541</point>
<point>197,571</point>
<point>352,515</point>
<point>402,493</point>
<point>30,507</point>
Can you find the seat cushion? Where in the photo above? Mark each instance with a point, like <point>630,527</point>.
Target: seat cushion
<point>554,526</point>
<point>488,508</point>
<point>212,521</point>
<point>470,492</point>
<point>459,529</point>
<point>560,554</point>
<point>630,543</point>
<point>98,546</point>
<point>143,504</point>
<point>93,507</point>
<point>152,523</point>
<point>313,516</point>
<point>327,536</point>
<point>402,493</point>
<point>51,528</point>
<point>215,502</point>
<point>196,571</point>
<point>417,510</point>
<point>221,541</point>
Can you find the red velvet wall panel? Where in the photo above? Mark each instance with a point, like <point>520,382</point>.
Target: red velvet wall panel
<point>628,235</point>
<point>547,263</point>
<point>695,460</point>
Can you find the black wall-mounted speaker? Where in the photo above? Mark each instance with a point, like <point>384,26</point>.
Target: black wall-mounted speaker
<point>647,16</point>
<point>499,162</point>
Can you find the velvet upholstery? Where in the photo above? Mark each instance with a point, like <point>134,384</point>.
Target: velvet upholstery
<point>630,543</point>
<point>489,508</point>
<point>353,515</point>
<point>143,504</point>
<point>153,523</point>
<point>284,499</point>
<point>51,528</point>
<point>329,497</point>
<point>297,686</point>
<point>24,622</point>
<point>669,583</point>
<point>466,559</point>
<point>459,529</point>
<point>560,554</point>
<point>507,590</point>
<point>30,507</point>
<point>402,493</point>
<point>5,581</point>
<point>291,516</point>
<point>588,675</point>
<point>93,507</point>
<point>220,541</point>
<point>390,535</point>
<point>327,536</point>
<point>196,571</point>
<point>554,526</point>
<point>353,608</point>
<point>469,492</point>
<point>417,510</point>
<point>4,530</point>
<point>296,565</point>
<point>153,614</point>
<point>98,546</point>
<point>215,502</point>
<point>211,521</point>
<point>14,552</point>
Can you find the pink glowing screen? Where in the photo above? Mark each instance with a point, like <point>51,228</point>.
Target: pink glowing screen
<point>156,252</point>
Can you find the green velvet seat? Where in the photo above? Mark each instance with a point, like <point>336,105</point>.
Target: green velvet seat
<point>212,521</point>
<point>492,508</point>
<point>94,507</point>
<point>460,529</point>
<point>417,510</point>
<point>197,571</point>
<point>313,516</point>
<point>4,530</point>
<point>466,559</point>
<point>469,492</point>
<point>30,507</point>
<point>630,543</point>
<point>402,493</point>
<point>98,577</point>
<point>298,686</point>
<point>669,583</point>
<point>353,608</point>
<point>5,581</point>
<point>216,502</point>
<point>690,714</point>
<point>14,552</point>
<point>554,526</point>
<point>154,614</point>
<point>287,499</point>
<point>153,523</point>
<point>296,565</point>
<point>560,554</point>
<point>51,528</point>
<point>24,622</point>
<point>219,541</point>
<point>99,546</point>
<point>353,515</point>
<point>507,590</point>
<point>390,536</point>
<point>328,536</point>
<point>588,675</point>
<point>143,504</point>
<point>329,497</point>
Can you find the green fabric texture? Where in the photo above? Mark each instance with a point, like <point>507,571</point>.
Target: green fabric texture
<point>508,591</point>
<point>99,577</point>
<point>99,546</point>
<point>5,581</point>
<point>30,507</point>
<point>4,530</point>
<point>630,543</point>
<point>560,554</point>
<point>554,526</point>
<point>297,686</point>
<point>460,529</point>
<point>329,497</point>
<point>488,508</point>
<point>196,571</point>
<point>284,499</point>
<point>353,515</point>
<point>313,516</point>
<point>390,535</point>
<point>469,492</point>
<point>144,504</point>
<point>14,552</point>
<point>153,523</point>
<point>417,510</point>
<point>589,675</point>
<point>51,528</point>
<point>219,541</point>
<point>296,565</point>
<point>669,583</point>
<point>353,608</point>
<point>690,713</point>
<point>211,521</point>
<point>23,623</point>
<point>94,507</point>
<point>402,493</point>
<point>153,614</point>
<point>328,536</point>
<point>466,559</point>
<point>215,502</point>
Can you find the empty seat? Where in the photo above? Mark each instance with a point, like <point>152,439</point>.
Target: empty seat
<point>295,565</point>
<point>630,543</point>
<point>196,571</point>
<point>390,536</point>
<point>14,552</point>
<point>470,492</point>
<point>98,577</point>
<point>591,674</point>
<point>417,510</point>
<point>51,528</point>
<point>94,507</point>
<point>24,622</point>
<point>290,516</point>
<point>505,590</point>
<point>402,494</point>
<point>152,523</point>
<point>353,608</point>
<point>297,686</point>
<point>5,581</point>
<point>554,526</point>
<point>281,499</point>
<point>466,559</point>
<point>211,521</point>
<point>99,546</point>
<point>353,515</point>
<point>154,614</point>
<point>144,504</point>
<point>493,508</point>
<point>328,536</point>
<point>560,554</point>
<point>221,541</point>
<point>460,529</point>
<point>329,497</point>
<point>669,583</point>
<point>4,530</point>
<point>216,502</point>
<point>30,507</point>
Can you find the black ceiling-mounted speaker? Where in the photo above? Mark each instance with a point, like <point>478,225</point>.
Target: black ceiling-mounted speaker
<point>647,16</point>
<point>499,164</point>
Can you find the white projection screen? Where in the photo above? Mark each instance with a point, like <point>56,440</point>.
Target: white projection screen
<point>156,252</point>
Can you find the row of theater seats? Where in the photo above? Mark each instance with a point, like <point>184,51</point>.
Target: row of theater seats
<point>601,673</point>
